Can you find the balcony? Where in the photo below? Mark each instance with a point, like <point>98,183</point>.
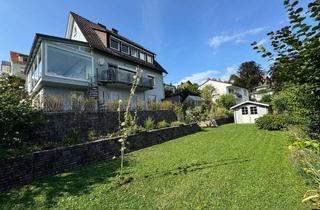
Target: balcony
<point>124,78</point>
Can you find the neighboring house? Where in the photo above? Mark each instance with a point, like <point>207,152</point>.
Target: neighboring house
<point>18,64</point>
<point>91,61</point>
<point>222,87</point>
<point>263,89</point>
<point>5,67</point>
<point>170,88</point>
<point>260,91</point>
<point>249,111</point>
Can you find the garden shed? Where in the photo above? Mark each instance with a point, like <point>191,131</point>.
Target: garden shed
<point>249,111</point>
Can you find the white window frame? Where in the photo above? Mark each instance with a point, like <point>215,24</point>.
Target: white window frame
<point>151,58</point>
<point>128,53</point>
<point>136,50</point>
<point>71,51</point>
<point>113,39</point>
<point>145,55</point>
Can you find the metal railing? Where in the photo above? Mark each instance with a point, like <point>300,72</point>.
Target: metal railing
<point>122,76</point>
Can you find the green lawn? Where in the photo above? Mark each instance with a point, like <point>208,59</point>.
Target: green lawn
<point>230,167</point>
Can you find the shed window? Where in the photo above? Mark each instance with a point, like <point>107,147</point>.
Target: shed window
<point>253,110</point>
<point>244,110</point>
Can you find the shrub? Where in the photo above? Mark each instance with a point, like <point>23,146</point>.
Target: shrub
<point>178,109</point>
<point>89,104</point>
<point>53,104</point>
<point>166,105</point>
<point>16,113</point>
<point>193,115</point>
<point>153,105</point>
<point>267,99</point>
<point>111,105</point>
<point>162,124</point>
<point>92,135</point>
<point>226,101</point>
<point>140,105</point>
<point>271,122</point>
<point>220,112</point>
<point>71,137</point>
<point>149,124</point>
<point>176,123</point>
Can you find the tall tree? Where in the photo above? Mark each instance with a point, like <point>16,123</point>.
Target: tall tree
<point>249,75</point>
<point>296,59</point>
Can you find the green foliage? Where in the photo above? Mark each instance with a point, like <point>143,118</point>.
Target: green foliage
<point>176,123</point>
<point>267,99</point>
<point>207,92</point>
<point>178,109</point>
<point>249,75</point>
<point>71,137</point>
<point>92,135</point>
<point>149,124</point>
<point>187,88</point>
<point>166,105</point>
<point>245,168</point>
<point>226,101</point>
<point>194,115</point>
<point>220,112</point>
<point>271,122</point>
<point>16,113</point>
<point>162,124</point>
<point>295,54</point>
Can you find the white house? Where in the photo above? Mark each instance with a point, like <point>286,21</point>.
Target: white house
<point>222,87</point>
<point>260,91</point>
<point>249,111</point>
<point>91,61</point>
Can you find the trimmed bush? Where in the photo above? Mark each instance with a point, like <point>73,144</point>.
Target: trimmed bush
<point>176,123</point>
<point>162,124</point>
<point>271,122</point>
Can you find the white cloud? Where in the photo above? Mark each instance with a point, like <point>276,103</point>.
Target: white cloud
<point>262,41</point>
<point>229,70</point>
<point>216,41</point>
<point>199,78</point>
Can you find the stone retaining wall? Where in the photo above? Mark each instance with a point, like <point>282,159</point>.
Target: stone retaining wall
<point>56,125</point>
<point>25,169</point>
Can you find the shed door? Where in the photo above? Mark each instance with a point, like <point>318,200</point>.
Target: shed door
<point>253,113</point>
<point>245,117</point>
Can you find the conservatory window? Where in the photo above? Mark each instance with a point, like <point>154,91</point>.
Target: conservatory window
<point>62,63</point>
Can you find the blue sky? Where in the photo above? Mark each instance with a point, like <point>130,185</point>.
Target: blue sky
<point>192,39</point>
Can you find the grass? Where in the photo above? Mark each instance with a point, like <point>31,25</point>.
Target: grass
<point>230,167</point>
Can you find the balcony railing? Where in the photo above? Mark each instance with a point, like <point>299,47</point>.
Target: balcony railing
<point>123,77</point>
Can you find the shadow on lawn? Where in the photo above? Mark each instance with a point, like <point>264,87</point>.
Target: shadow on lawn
<point>193,167</point>
<point>73,183</point>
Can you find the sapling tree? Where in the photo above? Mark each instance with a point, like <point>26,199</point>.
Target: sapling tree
<point>127,122</point>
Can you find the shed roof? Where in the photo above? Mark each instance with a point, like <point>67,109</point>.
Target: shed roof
<point>250,102</point>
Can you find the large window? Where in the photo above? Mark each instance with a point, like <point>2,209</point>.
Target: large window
<point>62,63</point>
<point>151,80</point>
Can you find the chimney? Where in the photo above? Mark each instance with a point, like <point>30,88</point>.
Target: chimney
<point>114,30</point>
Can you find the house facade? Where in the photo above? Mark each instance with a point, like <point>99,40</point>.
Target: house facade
<point>18,64</point>
<point>91,61</point>
<point>221,87</point>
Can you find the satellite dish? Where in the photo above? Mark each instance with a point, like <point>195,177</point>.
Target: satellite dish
<point>101,61</point>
